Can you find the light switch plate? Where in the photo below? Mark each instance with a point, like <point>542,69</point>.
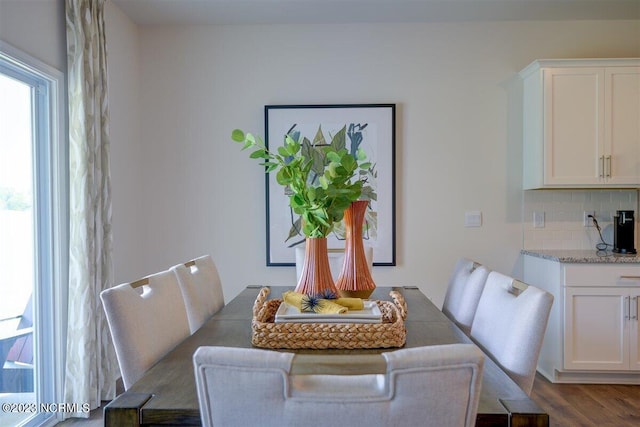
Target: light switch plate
<point>473,219</point>
<point>538,220</point>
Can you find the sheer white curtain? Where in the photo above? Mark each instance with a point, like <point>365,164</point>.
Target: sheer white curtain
<point>91,364</point>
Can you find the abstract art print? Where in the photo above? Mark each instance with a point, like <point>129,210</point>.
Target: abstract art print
<point>370,127</point>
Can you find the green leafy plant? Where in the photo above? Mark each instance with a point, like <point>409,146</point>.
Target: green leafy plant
<point>322,179</point>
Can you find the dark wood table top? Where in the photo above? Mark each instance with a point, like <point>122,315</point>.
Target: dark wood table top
<point>167,395</point>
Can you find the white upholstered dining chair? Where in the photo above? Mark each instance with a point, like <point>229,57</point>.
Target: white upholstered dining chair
<point>463,293</point>
<point>509,325</point>
<point>147,318</point>
<point>426,386</point>
<point>201,289</point>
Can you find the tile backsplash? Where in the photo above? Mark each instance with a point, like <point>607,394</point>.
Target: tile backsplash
<point>563,211</point>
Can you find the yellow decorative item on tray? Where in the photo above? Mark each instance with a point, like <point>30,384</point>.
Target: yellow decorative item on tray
<point>351,303</point>
<point>305,302</point>
<point>332,332</point>
<point>290,314</point>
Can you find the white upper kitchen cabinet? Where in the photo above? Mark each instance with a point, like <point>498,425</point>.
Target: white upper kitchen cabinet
<point>581,125</point>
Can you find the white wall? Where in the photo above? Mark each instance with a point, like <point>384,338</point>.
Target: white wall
<point>36,27</point>
<point>126,150</point>
<point>458,133</point>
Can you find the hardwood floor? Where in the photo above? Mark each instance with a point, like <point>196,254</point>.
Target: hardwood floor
<point>568,405</point>
<point>601,405</point>
<point>95,420</point>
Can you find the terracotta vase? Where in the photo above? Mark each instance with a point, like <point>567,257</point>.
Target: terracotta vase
<point>355,278</point>
<point>315,278</point>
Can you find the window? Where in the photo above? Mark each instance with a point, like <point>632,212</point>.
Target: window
<point>33,235</point>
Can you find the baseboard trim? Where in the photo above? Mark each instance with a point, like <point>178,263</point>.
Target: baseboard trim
<point>592,377</point>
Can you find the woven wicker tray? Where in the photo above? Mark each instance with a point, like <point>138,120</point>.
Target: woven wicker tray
<point>267,334</point>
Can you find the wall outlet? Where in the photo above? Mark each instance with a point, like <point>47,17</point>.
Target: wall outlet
<point>586,221</point>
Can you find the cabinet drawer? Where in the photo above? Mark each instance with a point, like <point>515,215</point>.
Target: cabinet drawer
<point>602,275</point>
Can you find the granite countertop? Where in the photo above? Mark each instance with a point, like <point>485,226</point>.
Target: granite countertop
<point>582,256</point>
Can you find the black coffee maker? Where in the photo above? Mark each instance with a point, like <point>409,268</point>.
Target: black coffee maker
<point>623,232</point>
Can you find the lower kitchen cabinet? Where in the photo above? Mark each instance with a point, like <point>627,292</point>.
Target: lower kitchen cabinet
<point>601,328</point>
<point>593,334</point>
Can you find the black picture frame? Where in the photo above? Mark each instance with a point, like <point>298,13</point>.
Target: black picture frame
<point>375,124</point>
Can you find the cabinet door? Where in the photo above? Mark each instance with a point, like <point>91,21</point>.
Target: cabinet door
<point>596,331</point>
<point>634,330</point>
<point>573,126</point>
<point>622,125</point>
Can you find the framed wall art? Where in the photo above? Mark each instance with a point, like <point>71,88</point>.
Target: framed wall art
<point>367,126</point>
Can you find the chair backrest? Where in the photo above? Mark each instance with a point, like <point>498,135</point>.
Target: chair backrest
<point>336,259</point>
<point>201,289</point>
<point>509,325</point>
<point>22,349</point>
<point>147,318</point>
<point>463,293</point>
<point>426,386</point>
<point>16,352</point>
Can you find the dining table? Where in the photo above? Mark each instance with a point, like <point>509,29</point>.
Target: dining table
<point>166,394</point>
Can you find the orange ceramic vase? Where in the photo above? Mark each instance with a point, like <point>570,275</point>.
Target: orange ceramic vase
<point>355,278</point>
<point>316,278</point>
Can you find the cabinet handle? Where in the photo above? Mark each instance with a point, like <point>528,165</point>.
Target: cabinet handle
<point>626,308</point>
<point>601,171</point>
<point>634,308</point>
<point>608,171</point>
<point>630,277</point>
